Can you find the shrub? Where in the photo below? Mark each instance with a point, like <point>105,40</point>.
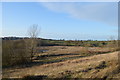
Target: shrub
<point>14,53</point>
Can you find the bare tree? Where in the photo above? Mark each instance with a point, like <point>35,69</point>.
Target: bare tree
<point>112,43</point>
<point>112,38</point>
<point>31,45</point>
<point>33,31</point>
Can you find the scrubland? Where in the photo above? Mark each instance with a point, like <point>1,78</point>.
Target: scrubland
<point>51,62</point>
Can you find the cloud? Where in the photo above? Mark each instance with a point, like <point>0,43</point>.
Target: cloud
<point>105,12</point>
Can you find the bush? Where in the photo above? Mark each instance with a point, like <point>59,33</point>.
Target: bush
<point>14,53</point>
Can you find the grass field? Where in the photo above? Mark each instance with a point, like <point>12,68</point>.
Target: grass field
<point>69,62</point>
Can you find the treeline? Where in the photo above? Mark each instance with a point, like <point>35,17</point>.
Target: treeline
<point>51,42</point>
<point>87,43</point>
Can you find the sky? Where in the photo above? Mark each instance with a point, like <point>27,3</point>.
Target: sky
<point>61,20</point>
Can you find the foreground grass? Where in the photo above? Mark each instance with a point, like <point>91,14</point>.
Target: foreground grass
<point>70,62</point>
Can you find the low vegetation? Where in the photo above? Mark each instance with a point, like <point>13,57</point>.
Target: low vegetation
<point>21,51</point>
<point>50,59</point>
<point>14,53</point>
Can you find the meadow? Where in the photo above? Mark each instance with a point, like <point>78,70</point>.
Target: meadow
<point>61,59</point>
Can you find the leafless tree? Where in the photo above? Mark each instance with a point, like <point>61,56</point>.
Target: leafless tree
<point>31,44</point>
<point>113,43</point>
<point>33,31</point>
<point>112,38</point>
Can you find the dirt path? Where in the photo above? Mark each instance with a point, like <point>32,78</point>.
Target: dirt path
<point>55,69</point>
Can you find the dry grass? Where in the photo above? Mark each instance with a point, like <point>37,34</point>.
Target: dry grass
<point>96,66</point>
<point>74,50</point>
